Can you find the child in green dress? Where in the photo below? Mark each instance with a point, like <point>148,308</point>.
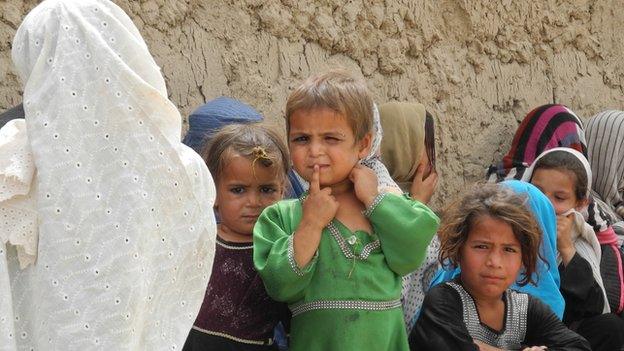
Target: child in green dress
<point>336,255</point>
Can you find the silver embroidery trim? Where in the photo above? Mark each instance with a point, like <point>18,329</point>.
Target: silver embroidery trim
<point>234,247</point>
<point>376,201</point>
<point>342,244</point>
<point>291,257</point>
<point>345,248</point>
<point>344,305</point>
<point>515,321</point>
<point>228,336</point>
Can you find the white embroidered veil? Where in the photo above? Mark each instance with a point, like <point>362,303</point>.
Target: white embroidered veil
<point>122,210</point>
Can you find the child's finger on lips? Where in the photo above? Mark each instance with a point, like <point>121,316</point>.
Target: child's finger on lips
<point>315,183</point>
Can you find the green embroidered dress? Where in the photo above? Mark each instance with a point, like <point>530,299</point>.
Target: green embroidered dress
<point>348,296</point>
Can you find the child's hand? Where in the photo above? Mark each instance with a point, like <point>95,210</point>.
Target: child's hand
<point>535,348</point>
<point>565,246</point>
<point>320,207</point>
<point>422,189</point>
<point>364,183</point>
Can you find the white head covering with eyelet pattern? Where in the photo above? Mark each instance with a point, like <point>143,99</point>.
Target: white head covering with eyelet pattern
<point>116,213</point>
<point>583,236</point>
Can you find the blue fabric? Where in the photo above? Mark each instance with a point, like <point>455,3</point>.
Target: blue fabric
<point>296,188</point>
<point>207,119</point>
<point>547,288</point>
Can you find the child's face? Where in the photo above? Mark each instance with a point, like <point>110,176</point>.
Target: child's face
<point>324,137</point>
<point>558,186</point>
<point>490,259</point>
<point>241,196</point>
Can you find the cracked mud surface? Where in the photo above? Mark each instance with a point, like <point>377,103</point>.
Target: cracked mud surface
<point>479,66</point>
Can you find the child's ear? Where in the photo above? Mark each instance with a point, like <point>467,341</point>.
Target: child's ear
<point>365,145</point>
<point>581,204</point>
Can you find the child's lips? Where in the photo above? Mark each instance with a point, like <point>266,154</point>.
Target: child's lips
<point>321,166</point>
<point>492,278</point>
<point>251,217</point>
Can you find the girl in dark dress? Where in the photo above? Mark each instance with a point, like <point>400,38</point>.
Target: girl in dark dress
<point>249,164</point>
<point>491,234</point>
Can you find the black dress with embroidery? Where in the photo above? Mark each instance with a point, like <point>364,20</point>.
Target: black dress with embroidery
<point>449,321</point>
<point>237,314</point>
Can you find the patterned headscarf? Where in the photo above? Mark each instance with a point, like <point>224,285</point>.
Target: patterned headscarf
<point>605,137</point>
<point>544,128</point>
<point>605,145</point>
<point>126,235</point>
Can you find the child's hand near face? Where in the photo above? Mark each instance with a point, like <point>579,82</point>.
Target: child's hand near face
<point>319,208</point>
<point>564,237</point>
<point>422,189</point>
<point>364,182</point>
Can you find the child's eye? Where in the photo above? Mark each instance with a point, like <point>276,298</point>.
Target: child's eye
<point>268,190</point>
<point>299,139</point>
<point>511,250</point>
<point>483,247</point>
<point>560,198</point>
<point>237,190</point>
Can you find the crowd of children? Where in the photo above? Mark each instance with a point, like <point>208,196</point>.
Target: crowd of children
<point>117,238</point>
<point>530,274</point>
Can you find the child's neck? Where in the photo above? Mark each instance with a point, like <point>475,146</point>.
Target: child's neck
<point>343,188</point>
<point>227,234</point>
<point>350,210</point>
<point>491,310</point>
<point>492,313</point>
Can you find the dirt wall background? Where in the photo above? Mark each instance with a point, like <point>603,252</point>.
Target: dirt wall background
<point>478,65</point>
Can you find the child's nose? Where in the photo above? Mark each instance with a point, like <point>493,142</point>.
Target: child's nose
<point>254,198</point>
<point>316,148</point>
<point>494,259</point>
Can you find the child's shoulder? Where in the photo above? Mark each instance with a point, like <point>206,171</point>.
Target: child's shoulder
<point>444,291</point>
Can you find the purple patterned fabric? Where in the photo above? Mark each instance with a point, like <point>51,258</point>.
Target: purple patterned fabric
<point>236,303</point>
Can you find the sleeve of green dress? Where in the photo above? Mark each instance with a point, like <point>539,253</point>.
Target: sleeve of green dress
<point>274,259</point>
<point>405,227</point>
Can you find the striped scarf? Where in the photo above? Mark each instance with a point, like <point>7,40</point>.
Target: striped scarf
<point>605,136</point>
<point>551,126</point>
<point>544,128</point>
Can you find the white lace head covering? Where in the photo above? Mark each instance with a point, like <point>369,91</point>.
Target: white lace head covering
<point>124,210</point>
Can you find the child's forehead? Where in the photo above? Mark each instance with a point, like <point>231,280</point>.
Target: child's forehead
<point>321,118</point>
<point>559,179</point>
<point>490,228</point>
<point>241,167</point>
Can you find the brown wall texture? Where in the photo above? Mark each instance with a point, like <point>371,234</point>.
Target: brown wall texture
<point>478,65</point>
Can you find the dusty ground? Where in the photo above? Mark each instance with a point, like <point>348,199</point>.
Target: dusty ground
<point>478,65</point>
